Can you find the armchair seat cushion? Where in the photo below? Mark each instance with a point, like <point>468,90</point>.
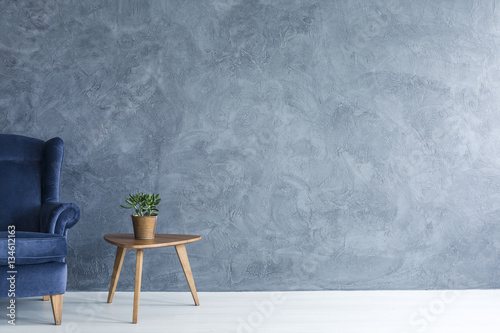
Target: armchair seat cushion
<point>33,248</point>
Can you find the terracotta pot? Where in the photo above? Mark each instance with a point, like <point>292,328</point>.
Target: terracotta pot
<point>144,226</point>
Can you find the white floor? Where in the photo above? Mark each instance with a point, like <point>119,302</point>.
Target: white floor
<point>251,312</point>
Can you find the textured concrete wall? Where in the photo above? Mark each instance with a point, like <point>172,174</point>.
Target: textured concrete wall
<point>313,144</point>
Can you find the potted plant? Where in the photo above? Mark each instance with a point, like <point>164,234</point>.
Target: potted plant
<point>146,212</point>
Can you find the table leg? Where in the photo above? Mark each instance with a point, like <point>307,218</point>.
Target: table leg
<point>120,254</point>
<point>183,258</point>
<point>137,289</point>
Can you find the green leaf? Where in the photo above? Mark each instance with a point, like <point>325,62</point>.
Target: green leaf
<point>144,204</point>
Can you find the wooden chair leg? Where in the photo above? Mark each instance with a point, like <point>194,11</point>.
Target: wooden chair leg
<point>57,305</point>
<point>120,254</point>
<point>45,298</point>
<point>183,258</point>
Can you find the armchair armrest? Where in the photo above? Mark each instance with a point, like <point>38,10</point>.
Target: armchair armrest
<point>58,217</point>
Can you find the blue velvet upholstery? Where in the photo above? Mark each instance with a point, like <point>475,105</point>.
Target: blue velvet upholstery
<point>20,182</point>
<point>36,280</point>
<point>30,171</point>
<point>34,248</point>
<point>58,217</point>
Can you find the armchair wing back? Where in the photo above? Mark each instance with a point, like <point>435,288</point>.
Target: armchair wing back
<point>30,171</point>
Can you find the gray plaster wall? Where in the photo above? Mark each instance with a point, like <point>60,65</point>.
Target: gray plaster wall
<point>312,144</point>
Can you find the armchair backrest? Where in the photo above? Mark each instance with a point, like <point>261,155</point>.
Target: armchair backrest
<point>30,171</point>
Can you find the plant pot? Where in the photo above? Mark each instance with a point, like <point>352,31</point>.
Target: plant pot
<point>144,226</point>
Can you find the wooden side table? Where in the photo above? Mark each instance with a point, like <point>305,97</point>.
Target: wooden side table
<point>127,241</point>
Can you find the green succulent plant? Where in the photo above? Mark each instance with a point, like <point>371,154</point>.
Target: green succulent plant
<point>143,204</point>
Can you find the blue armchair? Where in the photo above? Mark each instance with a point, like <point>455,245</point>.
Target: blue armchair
<point>33,223</point>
